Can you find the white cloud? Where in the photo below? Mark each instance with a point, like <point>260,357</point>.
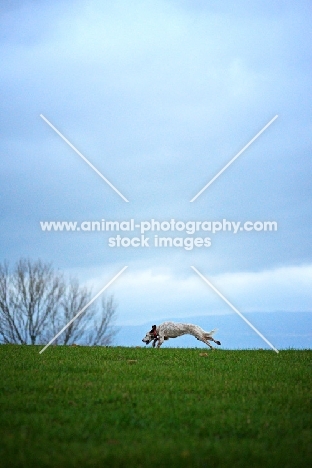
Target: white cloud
<point>286,288</point>
<point>146,294</point>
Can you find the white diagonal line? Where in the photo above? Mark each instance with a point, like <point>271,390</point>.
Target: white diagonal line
<point>84,308</point>
<point>233,159</point>
<point>84,158</point>
<point>234,308</point>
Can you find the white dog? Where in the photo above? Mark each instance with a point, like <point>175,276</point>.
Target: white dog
<point>172,330</point>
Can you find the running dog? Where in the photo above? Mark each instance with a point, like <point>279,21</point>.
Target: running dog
<point>172,330</point>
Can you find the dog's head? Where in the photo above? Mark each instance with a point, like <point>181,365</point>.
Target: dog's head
<point>150,336</point>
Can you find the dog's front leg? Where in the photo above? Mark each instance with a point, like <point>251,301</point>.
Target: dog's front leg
<point>161,339</point>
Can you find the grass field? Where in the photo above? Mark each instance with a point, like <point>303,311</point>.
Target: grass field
<point>137,407</point>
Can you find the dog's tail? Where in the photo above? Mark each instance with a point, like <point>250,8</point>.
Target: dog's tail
<point>212,332</point>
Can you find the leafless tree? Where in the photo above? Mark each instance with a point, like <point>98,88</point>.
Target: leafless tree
<point>75,297</point>
<point>93,327</point>
<point>103,330</point>
<point>36,303</point>
<point>29,297</point>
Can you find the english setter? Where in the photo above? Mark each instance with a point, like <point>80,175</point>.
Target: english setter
<point>172,330</point>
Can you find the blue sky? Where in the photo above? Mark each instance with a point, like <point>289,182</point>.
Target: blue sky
<point>159,96</point>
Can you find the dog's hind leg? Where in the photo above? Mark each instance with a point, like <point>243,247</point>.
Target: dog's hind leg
<point>207,343</point>
<point>208,337</point>
<point>204,340</point>
<point>215,341</point>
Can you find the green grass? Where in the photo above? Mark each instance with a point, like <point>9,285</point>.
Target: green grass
<point>91,407</point>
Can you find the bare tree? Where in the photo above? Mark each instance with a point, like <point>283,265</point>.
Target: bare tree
<point>36,302</point>
<point>102,332</point>
<point>29,296</point>
<point>75,297</point>
<point>92,327</point>
<point>10,331</point>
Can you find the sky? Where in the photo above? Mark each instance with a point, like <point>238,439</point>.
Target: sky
<point>159,96</point>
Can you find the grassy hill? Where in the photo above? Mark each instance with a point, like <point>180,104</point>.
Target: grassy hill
<point>137,407</point>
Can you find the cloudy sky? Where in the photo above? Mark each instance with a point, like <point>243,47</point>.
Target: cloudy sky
<point>159,96</point>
